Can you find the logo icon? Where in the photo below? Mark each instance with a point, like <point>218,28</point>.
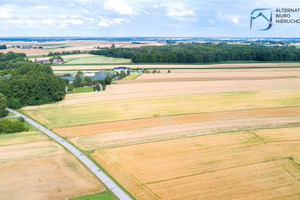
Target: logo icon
<point>261,13</point>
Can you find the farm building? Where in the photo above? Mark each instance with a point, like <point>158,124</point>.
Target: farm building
<point>58,61</point>
<point>96,76</point>
<point>42,61</point>
<point>119,69</point>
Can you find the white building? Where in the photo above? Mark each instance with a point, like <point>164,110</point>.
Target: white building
<point>119,69</point>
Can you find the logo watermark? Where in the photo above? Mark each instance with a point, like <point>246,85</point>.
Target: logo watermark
<point>261,13</point>
<point>263,17</point>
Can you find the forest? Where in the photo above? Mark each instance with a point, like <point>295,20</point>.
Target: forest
<point>202,53</point>
<point>23,82</point>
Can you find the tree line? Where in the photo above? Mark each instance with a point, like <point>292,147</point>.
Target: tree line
<point>202,53</point>
<point>23,82</point>
<point>3,46</point>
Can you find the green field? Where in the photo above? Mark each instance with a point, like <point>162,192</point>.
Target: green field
<point>128,109</point>
<point>81,90</point>
<point>96,60</point>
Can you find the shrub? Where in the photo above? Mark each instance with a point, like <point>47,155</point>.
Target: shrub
<point>12,126</point>
<point>108,80</point>
<point>3,105</point>
<point>70,87</point>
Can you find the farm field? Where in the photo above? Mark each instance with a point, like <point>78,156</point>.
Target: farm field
<point>95,59</point>
<point>128,109</point>
<point>179,136</point>
<point>69,45</point>
<point>131,77</point>
<point>87,67</point>
<point>172,88</point>
<point>65,57</point>
<point>34,167</point>
<point>222,166</point>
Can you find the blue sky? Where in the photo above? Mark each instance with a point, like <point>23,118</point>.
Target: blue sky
<point>128,18</point>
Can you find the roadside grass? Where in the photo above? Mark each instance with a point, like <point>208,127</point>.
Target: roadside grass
<point>96,59</point>
<point>81,90</point>
<point>10,114</point>
<point>139,108</point>
<point>102,196</point>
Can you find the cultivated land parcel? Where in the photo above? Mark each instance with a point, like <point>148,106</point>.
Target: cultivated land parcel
<point>232,135</point>
<point>34,167</point>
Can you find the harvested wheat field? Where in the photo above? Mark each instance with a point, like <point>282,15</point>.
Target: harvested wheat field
<point>129,109</point>
<point>168,132</point>
<point>41,169</point>
<point>179,119</point>
<point>157,89</point>
<point>247,73</point>
<point>223,166</point>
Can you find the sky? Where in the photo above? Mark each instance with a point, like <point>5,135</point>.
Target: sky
<point>139,18</point>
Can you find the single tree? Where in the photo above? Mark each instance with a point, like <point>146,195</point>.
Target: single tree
<point>77,81</point>
<point>108,80</point>
<point>88,81</point>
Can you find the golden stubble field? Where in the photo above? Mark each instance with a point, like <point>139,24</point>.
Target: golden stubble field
<point>228,139</point>
<point>33,167</point>
<point>235,165</point>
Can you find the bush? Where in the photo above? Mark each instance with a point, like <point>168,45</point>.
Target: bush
<point>70,87</point>
<point>102,82</point>
<point>84,83</point>
<point>3,105</point>
<point>88,81</point>
<point>12,126</point>
<point>21,119</point>
<point>108,80</point>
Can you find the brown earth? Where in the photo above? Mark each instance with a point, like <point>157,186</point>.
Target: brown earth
<point>181,119</point>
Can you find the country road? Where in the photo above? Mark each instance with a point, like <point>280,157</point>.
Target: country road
<point>99,173</point>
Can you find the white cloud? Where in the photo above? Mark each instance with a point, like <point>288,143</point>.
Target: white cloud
<point>76,21</point>
<point>23,23</point>
<point>5,13</point>
<point>235,20</point>
<point>118,6</point>
<point>110,22</point>
<point>177,11</point>
<point>49,22</point>
<point>103,22</point>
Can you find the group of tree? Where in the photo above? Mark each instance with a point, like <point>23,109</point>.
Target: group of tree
<point>12,126</point>
<point>202,53</point>
<point>23,82</point>
<point>64,53</point>
<point>87,81</point>
<point>3,46</point>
